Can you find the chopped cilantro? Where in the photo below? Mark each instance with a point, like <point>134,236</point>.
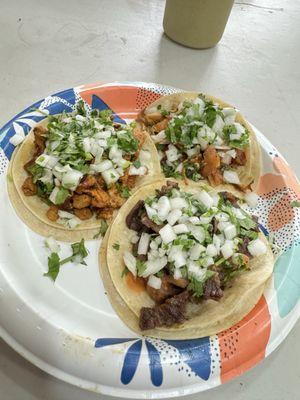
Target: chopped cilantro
<point>137,164</point>
<point>79,252</point>
<point>116,246</point>
<point>61,196</point>
<point>124,272</point>
<point>141,267</point>
<point>102,230</point>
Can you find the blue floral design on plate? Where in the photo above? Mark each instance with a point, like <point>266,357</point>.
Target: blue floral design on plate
<point>196,353</point>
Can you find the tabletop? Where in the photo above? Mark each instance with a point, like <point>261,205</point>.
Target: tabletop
<point>49,46</point>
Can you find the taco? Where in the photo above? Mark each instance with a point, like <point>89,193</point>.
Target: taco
<point>184,261</point>
<point>76,169</point>
<point>200,137</point>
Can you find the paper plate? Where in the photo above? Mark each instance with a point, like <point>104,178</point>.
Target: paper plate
<point>69,328</point>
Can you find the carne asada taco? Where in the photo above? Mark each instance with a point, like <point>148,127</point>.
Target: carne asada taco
<point>200,137</point>
<point>185,261</point>
<point>75,169</point>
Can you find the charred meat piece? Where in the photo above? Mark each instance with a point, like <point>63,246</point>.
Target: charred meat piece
<point>211,160</point>
<point>67,204</point>
<point>86,184</point>
<point>167,188</point>
<point>29,187</point>
<point>240,158</point>
<point>229,197</point>
<point>212,288</point>
<point>166,290</point>
<point>170,312</point>
<point>243,247</point>
<point>105,213</point>
<point>181,282</point>
<point>100,181</point>
<point>52,213</point>
<point>83,213</point>
<point>132,220</point>
<point>81,201</point>
<point>145,220</point>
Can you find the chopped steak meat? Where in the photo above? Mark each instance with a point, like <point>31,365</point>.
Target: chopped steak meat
<point>170,312</point>
<point>166,290</point>
<point>160,126</point>
<point>86,184</point>
<point>100,198</point>
<point>243,247</point>
<point>145,220</point>
<point>212,288</point>
<point>167,188</point>
<point>229,197</point>
<point>29,187</point>
<point>215,178</point>
<point>132,220</point>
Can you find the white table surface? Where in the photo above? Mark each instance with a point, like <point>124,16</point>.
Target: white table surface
<point>47,46</point>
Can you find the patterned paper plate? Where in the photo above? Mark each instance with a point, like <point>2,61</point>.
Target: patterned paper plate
<point>69,328</point>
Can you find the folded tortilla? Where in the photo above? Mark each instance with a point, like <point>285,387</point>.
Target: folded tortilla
<point>249,173</point>
<point>38,208</point>
<point>205,318</point>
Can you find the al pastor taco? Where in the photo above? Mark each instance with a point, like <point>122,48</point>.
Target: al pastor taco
<point>76,169</point>
<point>199,137</point>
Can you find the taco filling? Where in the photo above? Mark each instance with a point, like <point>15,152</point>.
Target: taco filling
<point>84,165</point>
<point>188,248</point>
<point>199,139</point>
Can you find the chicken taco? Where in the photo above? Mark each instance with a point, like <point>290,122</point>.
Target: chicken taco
<point>184,261</point>
<point>75,169</point>
<point>200,137</point>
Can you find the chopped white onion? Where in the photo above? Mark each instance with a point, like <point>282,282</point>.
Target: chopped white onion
<point>153,266</point>
<point>65,214</point>
<point>251,199</point>
<point>53,194</point>
<point>231,176</point>
<point>110,176</point>
<point>218,124</point>
<point>102,166</point>
<point>135,238</point>
<point>177,273</point>
<point>130,262</point>
<point>167,234</point>
<point>178,202</point>
<point>238,213</point>
<point>198,232</point>
<point>114,152</point>
<point>208,261</point>
<point>163,207</point>
<point>160,137</point>
<point>172,153</point>
<point>227,250</point>
<point>211,250</point>
<point>173,216</point>
<point>142,170</point>
<point>180,228</point>
<point>204,198</point>
<point>196,250</point>
<point>143,243</point>
<point>195,270</point>
<point>194,220</point>
<point>257,247</point>
<point>154,282</point>
<point>71,179</point>
<point>230,231</point>
<point>150,211</point>
<point>194,150</point>
<point>221,216</point>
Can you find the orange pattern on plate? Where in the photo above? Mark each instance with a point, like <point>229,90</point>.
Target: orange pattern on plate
<point>243,345</point>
